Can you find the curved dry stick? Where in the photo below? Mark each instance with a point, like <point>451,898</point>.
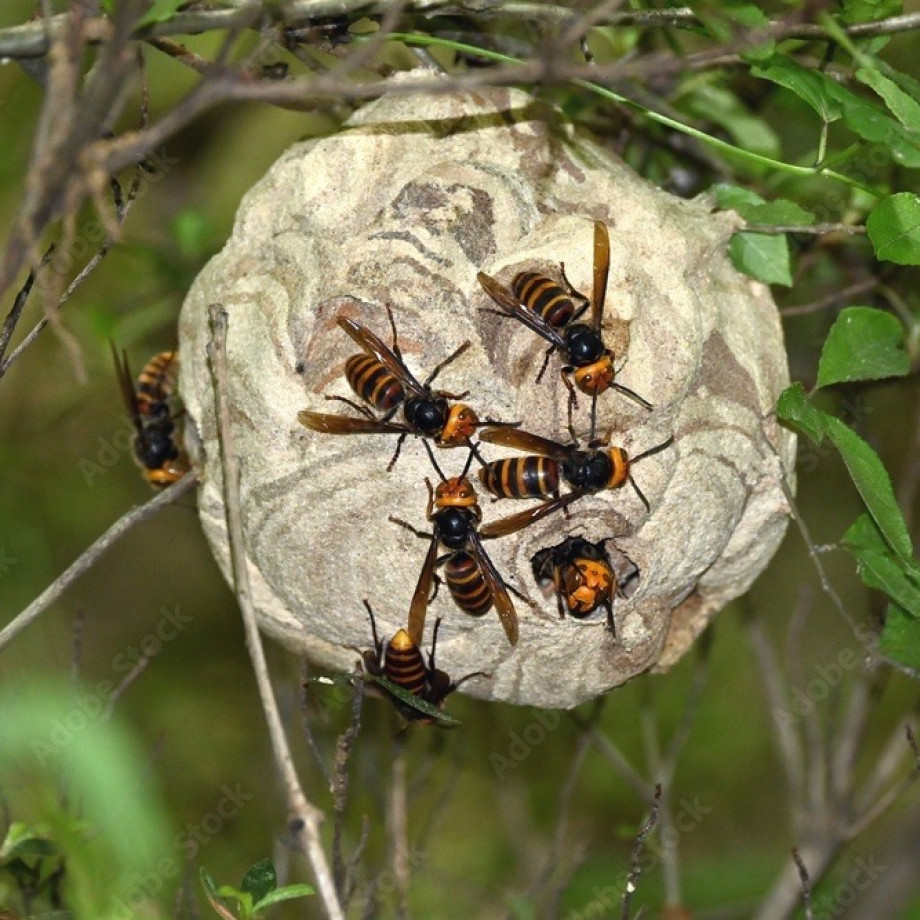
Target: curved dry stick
<point>87,559</point>
<point>304,818</point>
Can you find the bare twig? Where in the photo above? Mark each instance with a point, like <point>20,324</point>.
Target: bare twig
<point>9,324</point>
<point>616,757</point>
<point>807,229</point>
<point>303,700</point>
<point>398,826</point>
<point>76,657</point>
<point>89,558</point>
<point>635,869</point>
<point>340,788</point>
<point>304,818</point>
<point>826,585</point>
<point>32,39</point>
<point>786,736</point>
<point>832,299</point>
<point>806,883</point>
<point>129,678</point>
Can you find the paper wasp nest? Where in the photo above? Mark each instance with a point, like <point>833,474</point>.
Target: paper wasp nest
<point>403,207</point>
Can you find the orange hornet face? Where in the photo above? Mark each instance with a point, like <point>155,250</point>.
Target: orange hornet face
<point>595,378</point>
<point>460,426</point>
<point>457,492</point>
<point>588,583</point>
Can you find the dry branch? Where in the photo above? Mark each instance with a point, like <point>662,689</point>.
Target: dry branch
<point>304,818</point>
<point>88,559</point>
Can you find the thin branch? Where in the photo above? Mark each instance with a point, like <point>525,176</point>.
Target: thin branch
<point>635,860</point>
<point>129,678</point>
<point>9,324</point>
<point>873,800</point>
<point>304,817</point>
<point>339,786</point>
<point>832,299</point>
<point>616,757</point>
<point>806,883</point>
<point>31,39</point>
<point>806,229</point>
<point>826,585</point>
<point>398,826</point>
<point>89,558</point>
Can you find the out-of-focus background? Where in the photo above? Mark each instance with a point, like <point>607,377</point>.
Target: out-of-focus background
<point>516,813</point>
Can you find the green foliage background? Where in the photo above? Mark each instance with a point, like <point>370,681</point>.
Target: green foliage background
<point>188,736</point>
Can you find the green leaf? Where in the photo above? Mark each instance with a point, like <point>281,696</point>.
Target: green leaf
<point>260,879</point>
<point>880,569</point>
<point>894,229</point>
<point>905,108</point>
<point>288,893</point>
<point>416,702</point>
<point>754,209</point>
<point>869,10</point>
<point>832,101</point>
<point>796,411</point>
<point>866,470</point>
<point>763,256</point>
<point>26,842</point>
<point>901,638</point>
<point>874,485</point>
<point>863,344</point>
<point>213,896</point>
<point>807,84</point>
<point>719,106</point>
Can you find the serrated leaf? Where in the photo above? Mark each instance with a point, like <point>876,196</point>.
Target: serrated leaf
<point>763,256</point>
<point>900,638</point>
<point>874,486</point>
<point>288,893</point>
<point>894,229</point>
<point>832,102</point>
<point>880,569</point>
<point>863,344</point>
<point>805,83</point>
<point>794,409</point>
<point>260,879</point>
<point>866,470</point>
<point>900,104</point>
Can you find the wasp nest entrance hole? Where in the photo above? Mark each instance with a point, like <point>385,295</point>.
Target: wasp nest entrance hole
<point>404,207</point>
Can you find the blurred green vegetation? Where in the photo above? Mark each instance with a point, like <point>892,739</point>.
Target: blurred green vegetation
<point>194,715</point>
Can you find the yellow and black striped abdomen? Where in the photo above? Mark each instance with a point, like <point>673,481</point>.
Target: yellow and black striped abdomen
<point>544,296</point>
<point>404,665</point>
<point>156,381</point>
<point>373,382</point>
<point>467,585</point>
<point>521,477</point>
